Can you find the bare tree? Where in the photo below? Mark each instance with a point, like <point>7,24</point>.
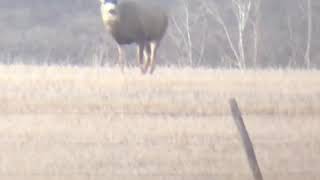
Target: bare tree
<point>187,33</point>
<point>241,10</point>
<point>182,25</point>
<point>256,30</point>
<point>307,57</point>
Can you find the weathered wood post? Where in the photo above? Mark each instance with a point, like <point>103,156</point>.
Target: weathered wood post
<point>246,141</point>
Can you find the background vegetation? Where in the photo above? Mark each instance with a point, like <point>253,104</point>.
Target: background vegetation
<point>215,33</point>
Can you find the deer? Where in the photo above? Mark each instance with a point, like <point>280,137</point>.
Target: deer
<point>136,22</point>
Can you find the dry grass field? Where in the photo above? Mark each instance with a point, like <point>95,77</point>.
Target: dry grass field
<point>92,123</point>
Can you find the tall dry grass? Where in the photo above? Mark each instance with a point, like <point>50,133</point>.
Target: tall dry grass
<point>80,123</point>
<point>169,91</point>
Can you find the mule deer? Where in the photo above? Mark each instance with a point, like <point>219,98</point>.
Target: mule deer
<point>142,23</point>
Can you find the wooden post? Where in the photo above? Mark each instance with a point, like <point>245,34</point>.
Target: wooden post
<point>246,141</point>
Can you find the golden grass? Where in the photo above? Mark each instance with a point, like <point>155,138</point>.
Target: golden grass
<point>169,91</point>
<point>77,123</point>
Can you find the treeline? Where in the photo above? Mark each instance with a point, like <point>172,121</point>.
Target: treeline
<point>215,33</point>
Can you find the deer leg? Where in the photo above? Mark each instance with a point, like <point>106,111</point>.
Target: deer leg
<point>153,53</point>
<point>120,58</point>
<point>146,53</point>
<point>140,50</point>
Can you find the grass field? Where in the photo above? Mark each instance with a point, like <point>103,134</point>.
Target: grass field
<point>90,123</point>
